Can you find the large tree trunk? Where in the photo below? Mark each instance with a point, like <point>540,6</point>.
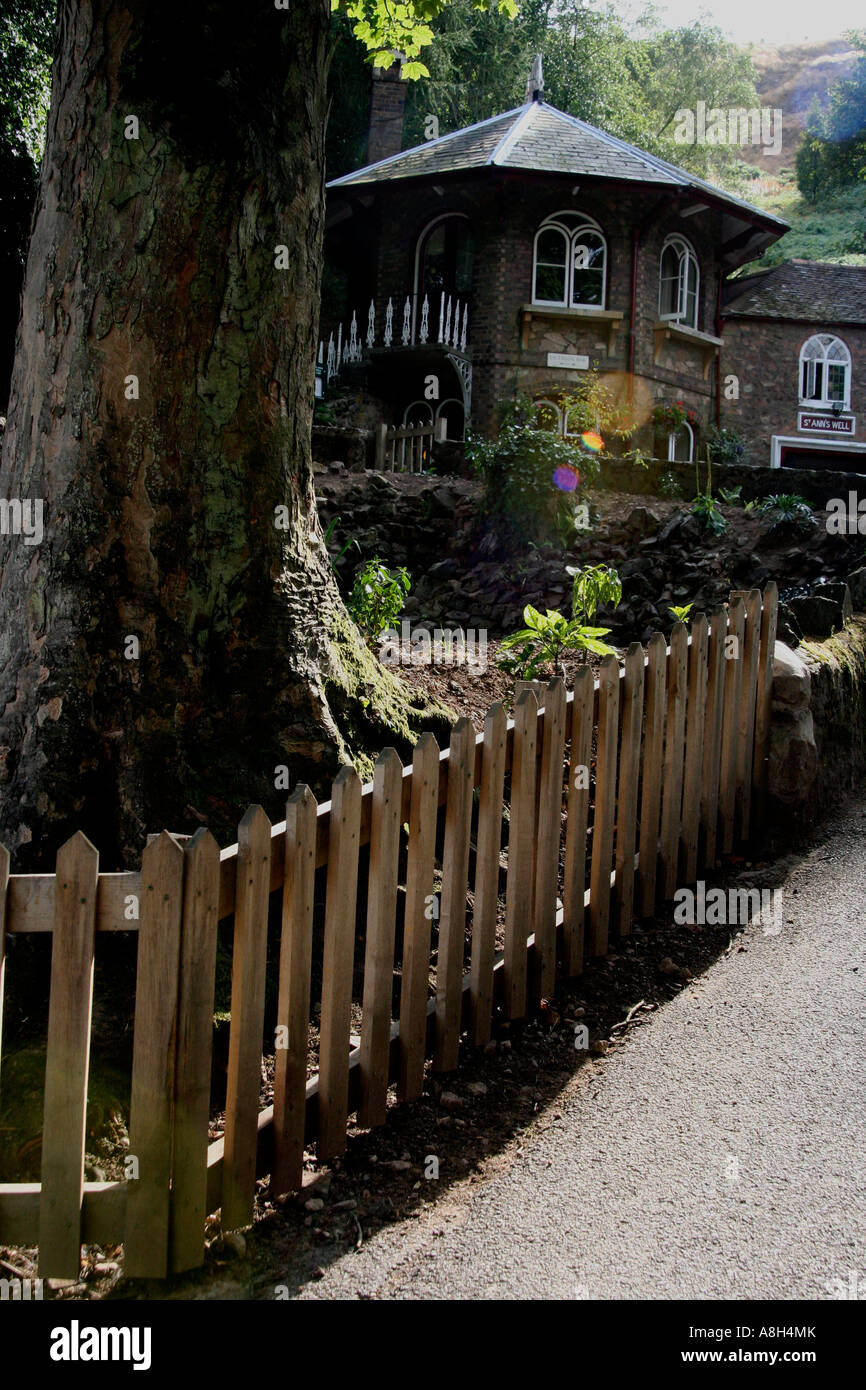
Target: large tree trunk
<point>155,258</point>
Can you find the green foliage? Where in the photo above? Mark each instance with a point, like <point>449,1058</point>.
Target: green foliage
<point>377,597</point>
<point>337,559</point>
<point>672,415</point>
<point>725,446</point>
<point>788,509</point>
<point>731,495</point>
<point>706,509</point>
<point>385,28</point>
<point>517,470</point>
<point>594,585</point>
<point>680,611</point>
<point>670,486</point>
<point>545,637</point>
<point>833,151</point>
<point>26,42</point>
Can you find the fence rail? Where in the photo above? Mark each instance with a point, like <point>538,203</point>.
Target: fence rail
<point>681,736</point>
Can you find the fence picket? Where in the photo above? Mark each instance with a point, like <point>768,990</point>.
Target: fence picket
<point>379,949</point>
<point>629,773</point>
<point>748,698</point>
<point>67,1059</point>
<point>293,1004</point>
<point>731,723</point>
<point>651,789</point>
<point>764,695</point>
<point>338,963</point>
<point>711,769</point>
<point>455,874</point>
<point>605,807</point>
<point>521,838</point>
<point>549,833</point>
<point>675,724</point>
<point>198,943</point>
<point>249,960</point>
<point>695,716</point>
<point>487,874</point>
<point>574,889</point>
<point>417,926</point>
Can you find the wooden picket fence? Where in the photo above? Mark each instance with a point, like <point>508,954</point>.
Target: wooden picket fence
<point>681,736</point>
<point>408,448</point>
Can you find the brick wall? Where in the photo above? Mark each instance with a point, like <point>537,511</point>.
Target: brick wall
<point>764,355</point>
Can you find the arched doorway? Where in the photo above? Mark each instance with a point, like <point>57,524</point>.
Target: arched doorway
<point>444,262</point>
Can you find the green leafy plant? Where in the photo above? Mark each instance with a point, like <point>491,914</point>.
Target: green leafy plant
<point>673,415</point>
<point>377,597</point>
<point>593,585</point>
<point>725,445</point>
<point>680,611</point>
<point>731,495</point>
<point>336,560</point>
<point>670,485</point>
<point>705,507</point>
<point>547,635</point>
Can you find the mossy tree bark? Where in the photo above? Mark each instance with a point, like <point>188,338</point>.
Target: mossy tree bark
<point>156,258</point>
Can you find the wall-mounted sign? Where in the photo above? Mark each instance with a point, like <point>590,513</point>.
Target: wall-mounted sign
<point>576,361</point>
<point>826,424</point>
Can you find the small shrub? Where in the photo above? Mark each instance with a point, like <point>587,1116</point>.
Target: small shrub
<point>547,635</point>
<point>680,611</point>
<point>670,486</point>
<point>725,445</point>
<point>377,597</point>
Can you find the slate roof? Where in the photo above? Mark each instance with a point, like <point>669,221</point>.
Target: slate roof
<point>808,291</point>
<point>539,138</point>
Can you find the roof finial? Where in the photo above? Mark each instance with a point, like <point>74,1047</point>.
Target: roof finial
<point>535,85</point>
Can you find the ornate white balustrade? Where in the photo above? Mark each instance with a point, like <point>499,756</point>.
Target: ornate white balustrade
<point>415,330</point>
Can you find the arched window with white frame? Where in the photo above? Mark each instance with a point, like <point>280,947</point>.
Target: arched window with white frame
<point>679,282</point>
<point>681,444</point>
<point>569,262</point>
<point>825,372</point>
<point>548,416</point>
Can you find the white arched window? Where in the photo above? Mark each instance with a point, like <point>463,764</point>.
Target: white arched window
<point>825,372</point>
<point>454,413</point>
<point>417,414</point>
<point>681,444</point>
<point>548,416</point>
<point>569,263</point>
<point>679,282</point>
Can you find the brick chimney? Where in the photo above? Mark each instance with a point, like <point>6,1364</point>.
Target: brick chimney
<point>386,113</point>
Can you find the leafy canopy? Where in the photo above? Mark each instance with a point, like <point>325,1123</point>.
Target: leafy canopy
<point>386,27</point>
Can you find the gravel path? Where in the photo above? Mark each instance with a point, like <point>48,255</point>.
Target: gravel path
<point>719,1153</point>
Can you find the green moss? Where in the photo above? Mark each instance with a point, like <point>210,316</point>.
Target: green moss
<point>845,649</point>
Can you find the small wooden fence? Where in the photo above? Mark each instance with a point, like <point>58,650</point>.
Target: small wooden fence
<point>680,753</point>
<point>408,449</point>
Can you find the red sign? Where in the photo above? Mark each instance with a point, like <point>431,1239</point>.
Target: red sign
<point>826,424</point>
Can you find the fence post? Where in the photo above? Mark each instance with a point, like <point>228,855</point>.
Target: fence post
<point>629,773</point>
<point>455,876</point>
<point>574,889</point>
<point>711,771</point>
<point>731,721</point>
<point>198,945</point>
<point>651,791</point>
<point>521,839</point>
<point>381,438</point>
<point>605,807</point>
<point>379,949</point>
<point>487,873</point>
<point>748,696</point>
<point>419,916</point>
<point>151,1121</point>
<point>338,962</point>
<point>549,830</point>
<point>67,1058</point>
<point>672,792</point>
<point>764,698</point>
<point>247,1018</point>
<point>293,1005</point>
<point>695,716</point>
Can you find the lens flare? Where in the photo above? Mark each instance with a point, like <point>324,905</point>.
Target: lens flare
<point>566,479</point>
<point>592,441</point>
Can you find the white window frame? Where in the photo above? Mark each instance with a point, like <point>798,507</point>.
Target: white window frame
<point>536,405</point>
<point>687,257</point>
<point>817,349</point>
<point>452,400</point>
<point>672,444</point>
<point>570,235</point>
